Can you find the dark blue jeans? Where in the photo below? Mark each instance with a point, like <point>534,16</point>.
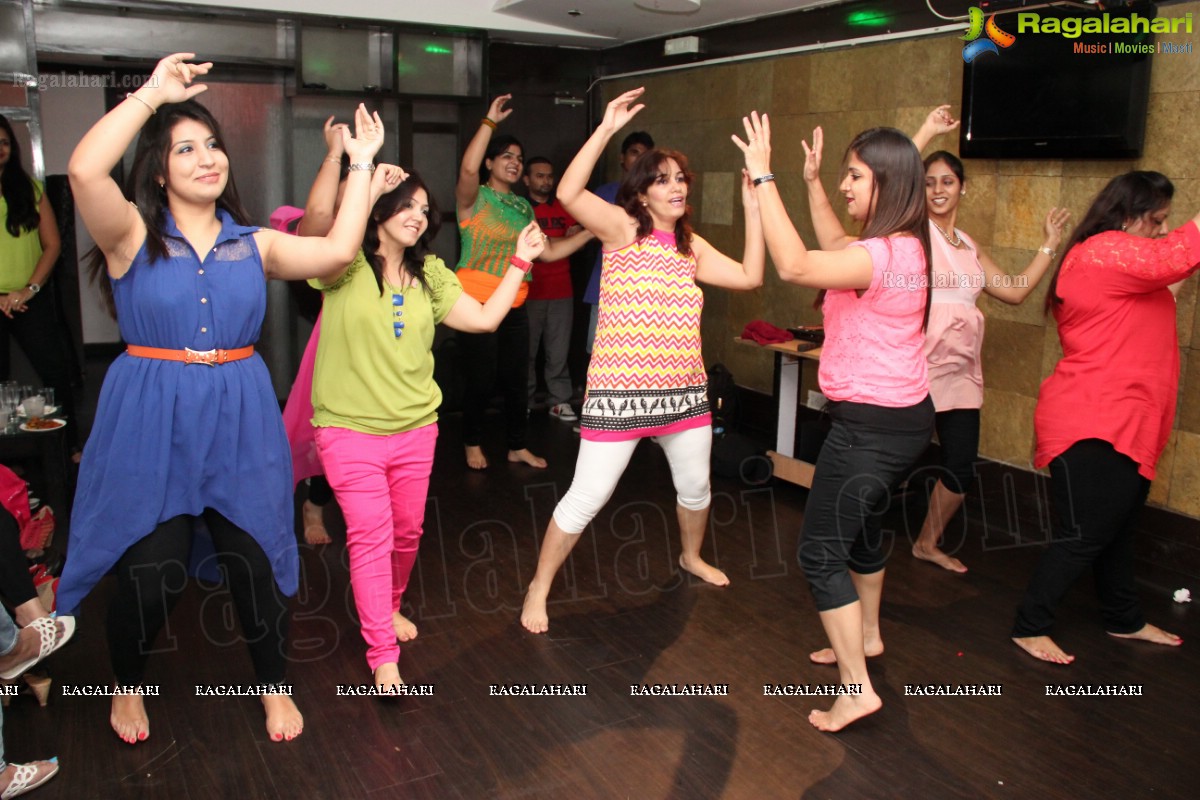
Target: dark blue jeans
<point>868,449</point>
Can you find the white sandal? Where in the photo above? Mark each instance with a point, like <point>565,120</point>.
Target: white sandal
<point>48,631</point>
<point>23,779</point>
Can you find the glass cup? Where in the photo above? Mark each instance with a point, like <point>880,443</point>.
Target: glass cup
<point>48,393</point>
<point>35,406</point>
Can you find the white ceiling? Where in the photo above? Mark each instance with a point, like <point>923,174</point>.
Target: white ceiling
<point>600,23</point>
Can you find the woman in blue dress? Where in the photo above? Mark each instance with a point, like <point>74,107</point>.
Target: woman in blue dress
<point>188,426</point>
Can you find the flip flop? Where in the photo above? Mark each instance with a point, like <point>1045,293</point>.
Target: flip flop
<point>26,778</point>
<point>48,631</point>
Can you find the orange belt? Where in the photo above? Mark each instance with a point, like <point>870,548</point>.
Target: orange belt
<point>190,356</point>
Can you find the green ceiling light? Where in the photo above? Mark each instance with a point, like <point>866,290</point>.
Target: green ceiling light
<point>438,49</point>
<point>868,19</point>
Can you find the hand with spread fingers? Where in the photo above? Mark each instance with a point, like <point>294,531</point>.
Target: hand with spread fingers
<point>621,109</point>
<point>368,136</point>
<point>757,147</point>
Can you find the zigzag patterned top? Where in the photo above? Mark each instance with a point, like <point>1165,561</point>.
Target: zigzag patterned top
<point>646,376</point>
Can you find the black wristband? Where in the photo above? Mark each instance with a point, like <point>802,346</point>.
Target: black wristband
<point>761,179</point>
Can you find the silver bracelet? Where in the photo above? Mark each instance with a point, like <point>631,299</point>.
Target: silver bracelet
<point>364,166</point>
<point>153,110</point>
<point>1047,251</point>
<point>761,179</point>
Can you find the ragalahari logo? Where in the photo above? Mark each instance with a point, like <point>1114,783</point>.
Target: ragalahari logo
<point>996,38</point>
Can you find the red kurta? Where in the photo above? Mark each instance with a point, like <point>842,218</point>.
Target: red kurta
<point>1119,374</point>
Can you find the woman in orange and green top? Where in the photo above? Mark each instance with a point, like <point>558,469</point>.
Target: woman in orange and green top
<point>490,218</point>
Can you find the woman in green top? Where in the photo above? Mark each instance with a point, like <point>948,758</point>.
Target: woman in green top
<point>375,401</point>
<point>490,216</point>
<point>29,246</point>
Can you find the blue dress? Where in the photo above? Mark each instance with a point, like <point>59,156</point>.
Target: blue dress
<point>172,438</point>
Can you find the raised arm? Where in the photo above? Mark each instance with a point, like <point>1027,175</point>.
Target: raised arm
<point>1013,289</point>
<point>848,268</point>
<point>938,122</point>
<point>717,269</point>
<point>114,224</point>
<point>831,235</point>
<point>467,188</point>
<point>320,208</point>
<point>470,316</point>
<point>326,257</point>
<point>610,224</point>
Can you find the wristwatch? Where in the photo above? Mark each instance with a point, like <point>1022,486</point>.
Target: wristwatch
<point>33,287</point>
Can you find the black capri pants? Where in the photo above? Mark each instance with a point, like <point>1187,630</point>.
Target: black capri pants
<point>958,434</point>
<point>868,449</point>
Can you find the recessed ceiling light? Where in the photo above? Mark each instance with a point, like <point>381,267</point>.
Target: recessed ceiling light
<point>574,12</point>
<point>669,6</point>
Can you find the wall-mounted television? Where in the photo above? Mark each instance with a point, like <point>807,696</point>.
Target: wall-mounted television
<point>1051,95</point>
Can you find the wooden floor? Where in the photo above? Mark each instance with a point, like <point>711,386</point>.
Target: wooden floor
<point>630,618</point>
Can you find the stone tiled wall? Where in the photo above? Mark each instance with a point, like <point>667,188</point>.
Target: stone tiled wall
<point>847,90</point>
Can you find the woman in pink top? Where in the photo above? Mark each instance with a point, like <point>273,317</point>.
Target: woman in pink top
<point>1104,415</point>
<point>874,296</point>
<point>954,337</point>
<point>646,378</point>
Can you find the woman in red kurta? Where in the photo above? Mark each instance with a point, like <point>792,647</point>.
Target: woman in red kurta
<point>1104,415</point>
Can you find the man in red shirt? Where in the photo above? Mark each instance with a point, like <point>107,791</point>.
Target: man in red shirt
<point>550,302</point>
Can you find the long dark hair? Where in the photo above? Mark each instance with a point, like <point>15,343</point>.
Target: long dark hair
<point>387,207</point>
<point>897,194</point>
<point>143,189</point>
<point>637,180</point>
<point>17,188</point>
<point>1125,197</point>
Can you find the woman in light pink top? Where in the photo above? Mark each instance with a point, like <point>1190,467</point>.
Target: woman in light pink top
<point>954,335</point>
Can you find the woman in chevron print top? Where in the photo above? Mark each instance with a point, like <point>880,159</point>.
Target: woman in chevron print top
<point>646,377</point>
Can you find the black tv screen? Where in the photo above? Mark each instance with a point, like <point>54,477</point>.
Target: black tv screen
<point>1050,95</point>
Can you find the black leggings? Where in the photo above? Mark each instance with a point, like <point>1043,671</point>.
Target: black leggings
<point>958,435</point>
<point>15,584</point>
<point>1098,496</point>
<point>868,449</point>
<point>151,576</point>
<point>484,355</point>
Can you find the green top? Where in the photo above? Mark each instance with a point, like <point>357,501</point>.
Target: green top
<point>367,379</point>
<point>489,235</point>
<point>18,255</point>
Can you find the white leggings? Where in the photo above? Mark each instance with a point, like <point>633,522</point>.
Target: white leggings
<point>601,465</point>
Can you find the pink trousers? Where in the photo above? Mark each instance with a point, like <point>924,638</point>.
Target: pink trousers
<point>381,484</point>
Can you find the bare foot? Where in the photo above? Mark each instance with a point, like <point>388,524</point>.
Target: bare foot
<point>1043,648</point>
<point>475,457</point>
<point>702,569</point>
<point>935,556</point>
<point>405,630</point>
<point>35,773</point>
<point>284,720</point>
<point>526,457</point>
<point>128,718</point>
<point>314,524</point>
<point>387,677</point>
<point>533,615</point>
<point>1151,633</point>
<point>872,647</point>
<point>846,709</point>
